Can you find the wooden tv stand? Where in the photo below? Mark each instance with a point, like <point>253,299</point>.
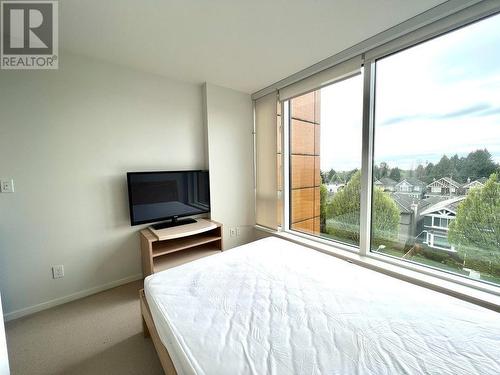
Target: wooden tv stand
<point>170,247</point>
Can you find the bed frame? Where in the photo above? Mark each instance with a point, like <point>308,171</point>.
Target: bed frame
<point>149,329</point>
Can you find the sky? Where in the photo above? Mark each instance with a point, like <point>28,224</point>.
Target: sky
<point>439,97</point>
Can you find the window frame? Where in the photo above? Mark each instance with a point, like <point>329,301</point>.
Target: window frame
<point>437,28</point>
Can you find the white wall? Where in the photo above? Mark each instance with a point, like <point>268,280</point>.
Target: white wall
<point>67,137</point>
<point>229,122</point>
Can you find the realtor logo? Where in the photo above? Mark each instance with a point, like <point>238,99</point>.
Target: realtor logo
<point>29,35</point>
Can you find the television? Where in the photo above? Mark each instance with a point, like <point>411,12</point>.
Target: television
<point>159,196</point>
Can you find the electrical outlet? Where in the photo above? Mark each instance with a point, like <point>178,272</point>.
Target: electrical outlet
<point>7,185</point>
<point>232,232</point>
<point>57,271</point>
<point>238,231</point>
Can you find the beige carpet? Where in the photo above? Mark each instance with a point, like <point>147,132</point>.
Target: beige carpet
<point>100,334</point>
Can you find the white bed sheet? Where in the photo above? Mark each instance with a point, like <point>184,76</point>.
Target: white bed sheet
<point>274,307</point>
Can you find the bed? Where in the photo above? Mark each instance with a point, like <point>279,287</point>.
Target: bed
<point>275,307</point>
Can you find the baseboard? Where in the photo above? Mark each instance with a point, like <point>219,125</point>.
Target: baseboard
<point>68,298</point>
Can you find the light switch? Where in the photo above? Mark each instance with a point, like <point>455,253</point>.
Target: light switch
<point>7,185</point>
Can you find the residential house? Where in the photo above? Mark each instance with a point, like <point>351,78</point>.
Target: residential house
<point>410,226</point>
<point>434,223</point>
<point>444,186</point>
<point>411,186</point>
<point>334,188</point>
<point>386,184</point>
<point>473,184</point>
<point>408,209</point>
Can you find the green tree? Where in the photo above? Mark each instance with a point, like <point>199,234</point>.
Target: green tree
<point>443,168</point>
<point>395,174</point>
<point>456,168</point>
<point>330,175</point>
<point>476,229</point>
<point>429,173</point>
<point>479,164</point>
<point>343,212</point>
<point>420,172</point>
<point>323,197</point>
<point>376,172</point>
<point>383,169</point>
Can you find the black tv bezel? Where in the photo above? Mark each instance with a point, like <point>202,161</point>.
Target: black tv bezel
<point>134,223</point>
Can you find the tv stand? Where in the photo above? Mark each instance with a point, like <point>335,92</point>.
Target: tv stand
<point>169,247</point>
<point>173,223</point>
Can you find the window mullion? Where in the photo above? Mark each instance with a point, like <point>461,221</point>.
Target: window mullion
<point>367,157</point>
<point>285,153</point>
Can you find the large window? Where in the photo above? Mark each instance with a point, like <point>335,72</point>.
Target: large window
<point>402,161</point>
<point>325,161</point>
<point>437,126</point>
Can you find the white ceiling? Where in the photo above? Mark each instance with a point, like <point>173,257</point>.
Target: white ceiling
<point>241,44</point>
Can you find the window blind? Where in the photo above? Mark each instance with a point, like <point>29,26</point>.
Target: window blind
<point>266,179</point>
<point>336,73</point>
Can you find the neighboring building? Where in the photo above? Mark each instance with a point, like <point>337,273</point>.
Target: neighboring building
<point>473,184</point>
<point>434,222</point>
<point>411,186</point>
<point>444,186</point>
<point>334,188</point>
<point>410,219</point>
<point>408,210</point>
<point>386,184</point>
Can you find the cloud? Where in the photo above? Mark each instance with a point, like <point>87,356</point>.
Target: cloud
<point>481,109</point>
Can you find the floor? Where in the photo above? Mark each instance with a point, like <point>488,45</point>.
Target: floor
<point>100,334</point>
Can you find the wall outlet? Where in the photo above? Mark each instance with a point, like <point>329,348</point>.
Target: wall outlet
<point>57,271</point>
<point>7,185</point>
<point>232,232</point>
<point>238,231</point>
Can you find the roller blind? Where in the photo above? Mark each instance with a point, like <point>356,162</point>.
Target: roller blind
<point>336,73</point>
<point>266,181</point>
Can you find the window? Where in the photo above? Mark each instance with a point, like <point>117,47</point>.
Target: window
<point>400,160</point>
<point>325,159</point>
<point>437,121</point>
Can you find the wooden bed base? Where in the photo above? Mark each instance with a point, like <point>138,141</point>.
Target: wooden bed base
<point>149,329</point>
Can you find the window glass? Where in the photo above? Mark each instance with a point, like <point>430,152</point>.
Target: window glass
<point>437,126</point>
<point>325,159</point>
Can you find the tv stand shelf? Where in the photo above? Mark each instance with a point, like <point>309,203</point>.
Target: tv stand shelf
<point>180,246</point>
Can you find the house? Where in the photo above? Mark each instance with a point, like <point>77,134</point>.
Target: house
<point>408,210</point>
<point>474,184</point>
<point>444,186</point>
<point>386,184</point>
<point>409,214</point>
<point>334,188</point>
<point>434,223</point>
<point>411,186</point>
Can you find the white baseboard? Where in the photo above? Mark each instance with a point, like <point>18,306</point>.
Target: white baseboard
<point>68,298</point>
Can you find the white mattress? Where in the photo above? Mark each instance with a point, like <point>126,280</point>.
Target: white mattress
<point>274,307</point>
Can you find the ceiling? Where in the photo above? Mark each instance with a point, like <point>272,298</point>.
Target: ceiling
<point>245,45</point>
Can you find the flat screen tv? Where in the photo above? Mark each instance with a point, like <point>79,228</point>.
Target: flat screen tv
<point>159,196</point>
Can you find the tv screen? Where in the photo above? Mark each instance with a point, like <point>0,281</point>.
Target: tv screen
<point>156,196</point>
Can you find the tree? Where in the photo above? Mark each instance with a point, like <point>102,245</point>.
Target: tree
<point>456,168</point>
<point>323,196</point>
<point>475,232</point>
<point>443,168</point>
<point>344,209</point>
<point>395,174</point>
<point>383,169</point>
<point>479,164</point>
<point>420,172</point>
<point>376,172</point>
<point>330,175</point>
<point>429,173</point>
